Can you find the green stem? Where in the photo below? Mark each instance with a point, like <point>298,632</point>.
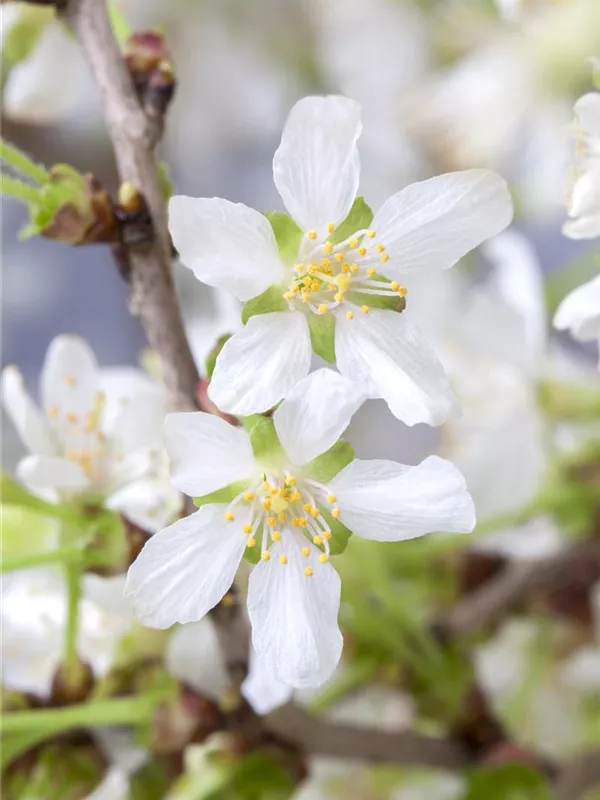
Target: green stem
<point>67,554</point>
<point>22,163</point>
<point>18,189</point>
<point>509,519</point>
<point>70,657</point>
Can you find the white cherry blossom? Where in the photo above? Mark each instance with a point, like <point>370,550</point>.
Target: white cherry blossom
<point>425,228</point>
<point>584,199</point>
<point>280,508</point>
<point>97,436</point>
<point>579,312</point>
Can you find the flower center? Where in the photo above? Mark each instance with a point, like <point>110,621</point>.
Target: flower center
<point>328,274</point>
<point>280,508</point>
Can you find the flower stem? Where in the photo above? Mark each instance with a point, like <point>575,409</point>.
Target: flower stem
<point>71,662</point>
<point>22,163</point>
<point>18,189</point>
<point>65,555</point>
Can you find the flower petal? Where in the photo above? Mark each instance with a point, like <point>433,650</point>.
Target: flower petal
<point>264,692</point>
<point>149,503</point>
<point>432,224</point>
<point>48,472</point>
<point>225,244</point>
<point>185,570</point>
<point>315,413</point>
<point>294,617</point>
<point>69,380</point>
<point>389,502</point>
<point>262,363</point>
<point>206,452</point>
<point>194,656</point>
<point>580,311</point>
<point>127,393</point>
<point>24,414</point>
<point>316,167</point>
<point>388,357</point>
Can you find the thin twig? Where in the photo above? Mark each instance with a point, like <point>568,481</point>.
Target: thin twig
<point>579,776</point>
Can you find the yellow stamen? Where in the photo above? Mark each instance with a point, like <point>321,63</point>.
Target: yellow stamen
<point>371,234</point>
<point>327,534</point>
<point>229,516</point>
<point>327,247</point>
<point>353,242</point>
<point>282,516</point>
<point>402,291</point>
<point>308,572</point>
<point>72,418</point>
<point>266,504</point>
<point>349,315</point>
<point>330,227</point>
<point>371,271</point>
<point>323,308</point>
<point>276,536</point>
<point>311,234</point>
<point>70,380</point>
<point>53,412</point>
<point>317,540</point>
<point>384,257</point>
<point>364,309</point>
<point>394,285</point>
<point>335,513</point>
<point>283,559</point>
<point>353,267</point>
<point>362,251</point>
<point>323,558</point>
<point>278,504</point>
<point>345,267</point>
<point>306,552</point>
<point>299,268</point>
<point>380,248</point>
<point>271,521</point>
<point>295,496</point>
<point>265,555</point>
<point>247,528</point>
<point>249,496</point>
<point>290,480</point>
<point>338,297</point>
<point>331,498</point>
<point>339,257</point>
<point>251,542</point>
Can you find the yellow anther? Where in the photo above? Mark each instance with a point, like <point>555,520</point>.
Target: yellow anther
<point>331,498</point>
<point>306,552</point>
<point>312,234</point>
<point>70,380</point>
<point>314,512</point>
<point>308,572</point>
<point>305,297</point>
<point>311,268</point>
<point>266,485</point>
<point>251,542</point>
<point>227,599</point>
<point>323,558</point>
<point>283,559</point>
<point>315,285</point>
<point>328,247</point>
<point>229,516</point>
<point>371,234</point>
<point>290,480</point>
<point>278,504</point>
<point>53,412</point>
<point>282,516</point>
<point>384,257</point>
<point>265,555</point>
<point>345,267</point>
<point>394,285</point>
<point>371,271</point>
<point>90,421</point>
<point>354,267</point>
<point>335,513</point>
<point>274,490</point>
<point>266,504</point>
<point>249,496</point>
<point>403,291</point>
<point>295,496</point>
<point>380,248</point>
<point>276,536</point>
<point>306,507</point>
<point>364,309</point>
<point>338,297</point>
<point>271,521</point>
<point>299,268</point>
<point>339,257</point>
<point>327,534</point>
<point>349,315</point>
<point>362,251</point>
<point>317,540</point>
<point>323,308</point>
<point>325,263</point>
<point>342,281</point>
<point>354,242</point>
<point>72,418</point>
<point>288,296</point>
<point>247,528</point>
<point>330,227</point>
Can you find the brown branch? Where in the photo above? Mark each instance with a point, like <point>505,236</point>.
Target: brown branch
<point>578,777</point>
<point>320,737</point>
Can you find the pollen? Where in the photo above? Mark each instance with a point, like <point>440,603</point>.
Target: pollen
<point>364,309</point>
<point>308,572</point>
<point>53,412</point>
<point>339,257</point>
<point>72,418</point>
<point>306,507</point>
<point>402,291</point>
<point>229,516</point>
<point>247,528</point>
<point>278,504</point>
<point>328,247</point>
<point>371,234</point>
<point>384,257</point>
<point>317,540</point>
<point>265,555</point>
<point>394,285</point>
<point>353,267</point>
<point>331,498</point>
<point>371,271</point>
<point>362,251</point>
<point>323,308</point>
<point>283,559</point>
<point>276,536</point>
<point>353,242</point>
<point>295,496</point>
<point>330,227</point>
<point>380,248</point>
<point>266,504</point>
<point>323,558</point>
<point>327,534</point>
<point>338,297</point>
<point>345,267</point>
<point>306,552</point>
<point>290,480</point>
<point>248,496</point>
<point>335,513</point>
<point>312,235</point>
<point>349,315</point>
<point>70,380</point>
<point>271,521</point>
<point>314,512</point>
<point>251,542</point>
<point>282,516</point>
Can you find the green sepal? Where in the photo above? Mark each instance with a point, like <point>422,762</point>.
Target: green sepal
<point>325,467</point>
<point>287,235</point>
<point>265,443</point>
<point>14,494</point>
<point>359,217</point>
<point>322,335</point>
<point>165,182</point>
<point>211,359</point>
<point>22,37</point>
<point>224,495</point>
<point>340,534</point>
<point>389,303</point>
<point>507,782</point>
<point>252,554</point>
<point>270,300</point>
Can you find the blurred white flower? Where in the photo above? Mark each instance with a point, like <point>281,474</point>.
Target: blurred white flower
<point>293,592</point>
<point>98,437</point>
<point>584,202</point>
<point>579,312</point>
<point>34,608</point>
<point>428,226</point>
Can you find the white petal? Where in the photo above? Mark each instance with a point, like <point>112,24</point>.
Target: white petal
<point>69,380</point>
<point>585,197</point>
<point>149,503</point>
<point>262,363</point>
<point>24,414</point>
<point>194,656</point>
<point>316,167</point>
<point>587,111</point>
<point>206,452</point>
<point>294,617</point>
<point>388,357</point>
<point>264,692</point>
<point>315,413</point>
<point>389,502</point>
<point>125,388</point>
<point>432,224</point>
<point>583,228</point>
<point>580,311</point>
<point>48,472</point>
<point>225,244</point>
<point>185,570</point>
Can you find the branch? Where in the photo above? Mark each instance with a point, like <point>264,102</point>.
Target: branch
<point>582,774</point>
<point>320,737</point>
<point>134,137</point>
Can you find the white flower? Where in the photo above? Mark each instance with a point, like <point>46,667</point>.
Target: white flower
<point>33,621</point>
<point>584,202</point>
<point>97,436</point>
<point>281,508</point>
<point>579,312</point>
<point>425,228</point>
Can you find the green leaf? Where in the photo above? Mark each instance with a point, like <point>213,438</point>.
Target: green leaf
<point>509,782</point>
<point>119,24</point>
<point>14,494</point>
<point>265,443</point>
<point>360,216</point>
<point>211,359</point>
<point>326,466</point>
<point>322,335</point>
<point>225,495</point>
<point>22,37</point>
<point>340,534</point>
<point>270,300</point>
<point>287,235</point>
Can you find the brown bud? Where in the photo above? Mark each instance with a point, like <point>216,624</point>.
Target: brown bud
<point>189,717</point>
<point>159,89</point>
<point>88,219</point>
<point>144,51</point>
<point>68,689</point>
